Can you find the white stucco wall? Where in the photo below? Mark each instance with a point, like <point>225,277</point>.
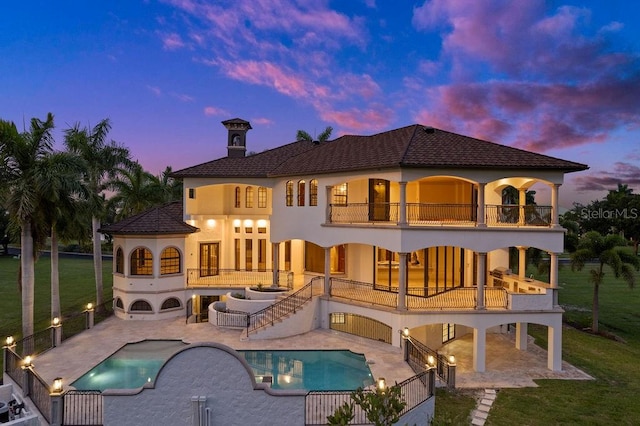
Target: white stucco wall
<point>215,372</point>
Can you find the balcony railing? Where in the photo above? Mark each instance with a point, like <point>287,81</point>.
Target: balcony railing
<point>530,215</point>
<point>232,278</point>
<point>425,214</point>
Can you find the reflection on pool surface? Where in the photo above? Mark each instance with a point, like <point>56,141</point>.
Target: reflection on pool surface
<point>311,370</point>
<point>137,363</point>
<point>130,367</point>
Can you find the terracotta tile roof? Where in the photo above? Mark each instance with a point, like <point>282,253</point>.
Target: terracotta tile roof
<point>414,146</point>
<point>162,220</point>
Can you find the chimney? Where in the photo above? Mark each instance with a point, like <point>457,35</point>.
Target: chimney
<point>237,139</point>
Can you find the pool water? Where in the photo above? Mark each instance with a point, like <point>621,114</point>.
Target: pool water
<point>328,370</point>
<point>130,367</point>
<point>137,363</point>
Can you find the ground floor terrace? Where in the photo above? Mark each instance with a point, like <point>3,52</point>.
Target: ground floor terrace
<point>508,366</point>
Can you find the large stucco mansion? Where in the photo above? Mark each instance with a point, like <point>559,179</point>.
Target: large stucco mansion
<point>405,228</point>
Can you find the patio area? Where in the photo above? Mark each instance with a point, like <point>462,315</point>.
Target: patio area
<point>506,366</point>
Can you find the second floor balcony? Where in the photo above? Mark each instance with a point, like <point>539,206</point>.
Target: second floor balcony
<point>427,214</point>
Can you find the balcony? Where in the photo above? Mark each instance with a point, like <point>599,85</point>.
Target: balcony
<point>423,214</point>
<point>234,278</point>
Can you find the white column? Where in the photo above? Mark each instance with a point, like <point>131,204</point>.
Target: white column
<point>403,204</point>
<point>479,349</point>
<point>275,261</point>
<point>554,345</point>
<point>481,279</point>
<point>402,283</point>
<point>553,276</point>
<point>327,269</point>
<point>481,219</point>
<point>522,201</point>
<point>521,336</point>
<point>554,205</point>
<point>522,262</point>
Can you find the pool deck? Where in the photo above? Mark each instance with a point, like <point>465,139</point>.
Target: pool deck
<point>506,366</point>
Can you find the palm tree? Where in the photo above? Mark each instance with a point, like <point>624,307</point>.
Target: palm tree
<point>134,191</point>
<point>604,251</point>
<point>169,188</point>
<point>322,137</point>
<point>25,154</point>
<point>63,190</point>
<point>101,159</point>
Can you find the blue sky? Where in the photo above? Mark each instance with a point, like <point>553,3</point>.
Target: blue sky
<point>560,78</point>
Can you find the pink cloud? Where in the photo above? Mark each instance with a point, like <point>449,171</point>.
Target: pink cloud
<point>268,74</point>
<point>215,111</point>
<point>375,118</point>
<point>623,173</point>
<point>172,41</point>
<point>262,121</point>
<point>155,90</point>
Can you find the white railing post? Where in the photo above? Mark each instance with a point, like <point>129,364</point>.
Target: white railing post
<point>482,277</point>
<point>481,219</point>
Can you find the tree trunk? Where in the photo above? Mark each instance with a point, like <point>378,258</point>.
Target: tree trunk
<point>55,277</point>
<point>97,260</point>
<point>27,278</point>
<point>595,309</point>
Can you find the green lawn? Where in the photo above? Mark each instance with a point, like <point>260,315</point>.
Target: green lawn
<point>77,288</point>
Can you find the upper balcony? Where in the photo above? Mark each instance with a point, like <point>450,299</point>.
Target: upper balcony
<point>430,214</point>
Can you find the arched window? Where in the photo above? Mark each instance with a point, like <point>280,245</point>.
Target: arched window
<point>170,261</point>
<point>119,304</point>
<point>313,192</point>
<point>289,195</point>
<point>248,202</point>
<point>237,204</point>
<point>301,195</point>
<point>141,261</point>
<point>141,306</point>
<point>262,197</point>
<point>170,303</point>
<point>119,261</point>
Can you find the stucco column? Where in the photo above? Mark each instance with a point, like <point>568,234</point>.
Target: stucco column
<point>275,259</point>
<point>522,201</point>
<point>553,276</point>
<point>481,211</point>
<point>327,269</point>
<point>521,335</point>
<point>554,205</point>
<point>402,220</point>
<point>481,279</point>
<point>479,349</point>
<point>402,282</point>
<point>522,262</point>
<point>554,345</point>
<point>329,190</point>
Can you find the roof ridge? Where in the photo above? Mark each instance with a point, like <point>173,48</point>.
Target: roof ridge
<point>406,148</point>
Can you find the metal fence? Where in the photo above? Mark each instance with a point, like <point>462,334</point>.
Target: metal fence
<point>362,291</point>
<point>39,392</point>
<point>512,215</point>
<point>35,344</point>
<point>419,213</point>
<point>83,408</point>
<point>320,404</point>
<point>418,359</point>
<point>363,212</point>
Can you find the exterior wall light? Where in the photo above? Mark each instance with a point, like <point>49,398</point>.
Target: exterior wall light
<point>262,223</point>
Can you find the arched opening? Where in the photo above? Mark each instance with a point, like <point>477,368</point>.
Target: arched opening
<point>141,262</point>
<point>170,261</point>
<point>141,306</point>
<point>170,303</point>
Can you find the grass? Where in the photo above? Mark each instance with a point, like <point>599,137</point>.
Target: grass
<point>77,288</point>
<point>453,407</point>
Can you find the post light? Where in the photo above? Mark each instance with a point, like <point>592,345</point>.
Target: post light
<point>10,341</point>
<point>382,384</point>
<point>57,386</point>
<point>27,362</point>
<point>405,333</point>
<point>452,359</point>
<point>55,322</point>
<point>89,306</point>
<point>431,361</point>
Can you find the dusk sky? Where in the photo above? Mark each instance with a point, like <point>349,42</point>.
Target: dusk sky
<point>557,77</point>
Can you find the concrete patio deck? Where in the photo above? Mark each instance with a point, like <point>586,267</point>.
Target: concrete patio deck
<point>506,366</point>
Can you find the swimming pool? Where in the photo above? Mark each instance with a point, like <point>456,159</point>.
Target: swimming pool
<point>137,363</point>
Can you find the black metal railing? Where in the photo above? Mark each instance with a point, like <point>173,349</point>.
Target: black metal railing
<point>320,404</point>
<point>13,367</point>
<point>39,392</point>
<point>419,355</point>
<point>284,307</point>
<point>421,213</point>
<point>363,292</point>
<point>359,325</point>
<point>512,215</point>
<point>83,407</point>
<point>364,212</point>
<point>232,278</point>
<point>37,343</point>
